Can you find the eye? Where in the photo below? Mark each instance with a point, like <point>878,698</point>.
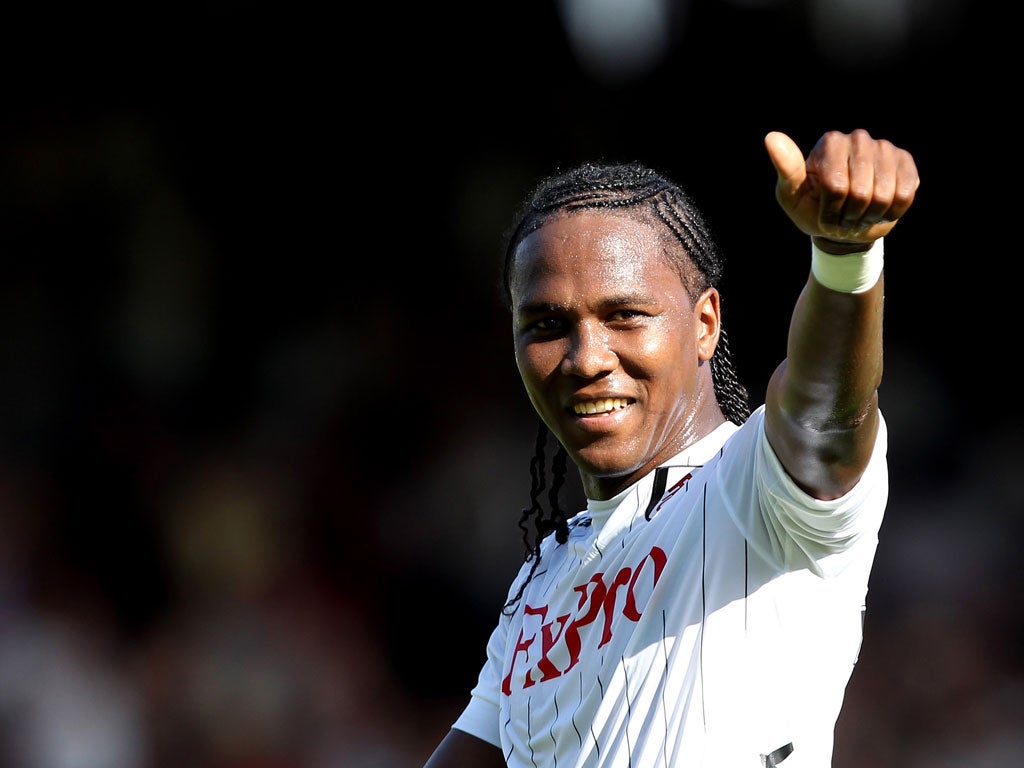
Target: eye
<point>626,315</point>
<point>546,325</point>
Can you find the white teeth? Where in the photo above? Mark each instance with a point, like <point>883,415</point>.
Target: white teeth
<point>601,406</point>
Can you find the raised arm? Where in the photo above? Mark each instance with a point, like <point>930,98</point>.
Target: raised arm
<point>822,401</point>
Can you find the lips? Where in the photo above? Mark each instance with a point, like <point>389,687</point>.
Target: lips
<point>599,406</point>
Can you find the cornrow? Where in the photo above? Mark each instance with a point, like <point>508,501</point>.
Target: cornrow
<point>651,197</point>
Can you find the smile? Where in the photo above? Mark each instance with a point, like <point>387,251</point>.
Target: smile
<point>605,405</point>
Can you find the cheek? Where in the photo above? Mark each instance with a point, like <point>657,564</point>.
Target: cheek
<point>668,357</point>
<point>537,362</point>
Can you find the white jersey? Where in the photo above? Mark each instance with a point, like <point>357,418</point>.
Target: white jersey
<point>709,616</point>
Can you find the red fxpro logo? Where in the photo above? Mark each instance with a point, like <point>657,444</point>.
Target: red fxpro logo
<point>598,597</point>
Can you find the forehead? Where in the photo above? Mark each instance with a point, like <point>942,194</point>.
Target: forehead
<point>604,247</point>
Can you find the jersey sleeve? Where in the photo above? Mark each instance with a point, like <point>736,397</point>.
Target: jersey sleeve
<point>481,716</point>
<point>792,528</point>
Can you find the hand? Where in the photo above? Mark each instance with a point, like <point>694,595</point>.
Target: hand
<point>852,189</point>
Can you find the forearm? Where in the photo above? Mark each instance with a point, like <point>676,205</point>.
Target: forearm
<point>460,750</point>
<point>822,400</point>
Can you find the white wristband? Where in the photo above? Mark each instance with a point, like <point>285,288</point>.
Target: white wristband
<point>849,273</point>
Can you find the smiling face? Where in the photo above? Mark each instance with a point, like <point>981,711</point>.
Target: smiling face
<point>611,347</point>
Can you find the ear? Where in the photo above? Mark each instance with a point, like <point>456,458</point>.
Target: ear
<point>707,318</point>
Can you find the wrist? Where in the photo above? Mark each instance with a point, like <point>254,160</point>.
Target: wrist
<point>847,271</point>
<point>838,247</point>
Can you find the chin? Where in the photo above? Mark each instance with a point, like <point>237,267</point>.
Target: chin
<point>607,463</point>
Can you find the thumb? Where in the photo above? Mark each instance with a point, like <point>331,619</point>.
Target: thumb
<point>788,161</point>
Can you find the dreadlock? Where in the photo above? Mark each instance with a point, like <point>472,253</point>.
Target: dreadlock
<point>648,196</point>
<point>542,524</point>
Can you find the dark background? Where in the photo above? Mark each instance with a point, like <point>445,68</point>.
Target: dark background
<point>262,443</point>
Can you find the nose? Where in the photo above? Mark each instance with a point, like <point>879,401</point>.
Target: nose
<point>590,352</point>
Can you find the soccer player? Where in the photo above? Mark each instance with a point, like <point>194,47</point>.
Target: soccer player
<point>705,609</point>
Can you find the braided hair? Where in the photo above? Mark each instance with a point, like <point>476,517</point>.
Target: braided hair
<point>645,195</point>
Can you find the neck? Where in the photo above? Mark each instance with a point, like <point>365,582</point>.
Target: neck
<point>601,487</point>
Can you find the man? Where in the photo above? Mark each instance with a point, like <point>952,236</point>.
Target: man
<point>705,609</point>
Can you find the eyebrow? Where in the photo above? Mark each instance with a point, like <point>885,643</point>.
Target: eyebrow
<point>626,299</point>
<point>636,299</point>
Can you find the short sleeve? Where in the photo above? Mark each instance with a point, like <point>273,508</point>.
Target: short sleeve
<point>803,530</point>
<point>481,715</point>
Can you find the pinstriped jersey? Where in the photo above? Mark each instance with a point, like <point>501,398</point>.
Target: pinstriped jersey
<point>708,616</point>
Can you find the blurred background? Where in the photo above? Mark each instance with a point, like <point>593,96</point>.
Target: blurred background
<point>263,447</point>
